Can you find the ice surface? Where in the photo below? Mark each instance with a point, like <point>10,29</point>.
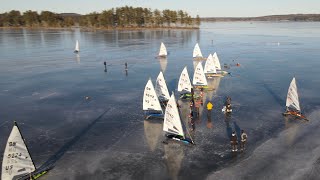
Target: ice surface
<point>89,123</point>
<point>293,154</point>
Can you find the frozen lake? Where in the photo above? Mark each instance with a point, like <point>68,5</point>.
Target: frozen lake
<point>43,87</point>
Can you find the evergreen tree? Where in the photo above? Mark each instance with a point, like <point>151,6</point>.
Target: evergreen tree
<point>198,20</point>
<point>31,18</point>
<point>127,16</point>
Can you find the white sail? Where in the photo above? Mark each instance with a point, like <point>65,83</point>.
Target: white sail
<point>77,49</point>
<point>163,50</point>
<point>216,61</point>
<point>172,122</point>
<point>209,66</point>
<point>161,87</point>
<point>184,84</point>
<point>197,52</point>
<point>17,161</point>
<point>150,98</point>
<point>292,96</point>
<point>199,79</point>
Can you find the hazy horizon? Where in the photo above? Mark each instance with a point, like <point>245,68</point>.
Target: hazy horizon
<point>203,8</point>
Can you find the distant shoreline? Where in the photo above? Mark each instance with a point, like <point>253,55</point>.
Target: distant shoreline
<point>271,18</point>
<point>101,29</point>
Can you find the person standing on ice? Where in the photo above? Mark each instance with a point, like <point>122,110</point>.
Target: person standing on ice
<point>234,141</point>
<point>228,101</point>
<point>228,104</point>
<point>209,108</point>
<point>244,137</point>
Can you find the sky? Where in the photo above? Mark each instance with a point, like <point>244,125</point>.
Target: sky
<point>204,8</point>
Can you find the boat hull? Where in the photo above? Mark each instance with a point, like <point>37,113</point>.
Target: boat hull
<point>208,75</point>
<point>199,58</point>
<point>199,87</point>
<point>179,138</point>
<point>295,114</point>
<point>186,96</point>
<point>36,175</point>
<point>163,56</point>
<point>153,115</point>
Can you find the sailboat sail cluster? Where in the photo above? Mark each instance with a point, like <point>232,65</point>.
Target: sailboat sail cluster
<point>161,88</point>
<point>172,123</point>
<point>292,96</point>
<point>197,52</point>
<point>17,161</point>
<point>209,67</point>
<point>199,79</point>
<point>163,50</point>
<point>184,84</point>
<point>150,98</point>
<point>216,61</point>
<point>292,102</point>
<point>77,48</point>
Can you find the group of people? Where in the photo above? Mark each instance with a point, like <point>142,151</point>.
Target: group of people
<point>227,105</point>
<point>234,138</point>
<point>194,111</point>
<point>234,141</point>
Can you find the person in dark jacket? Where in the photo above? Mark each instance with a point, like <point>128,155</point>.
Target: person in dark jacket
<point>234,141</point>
<point>228,104</point>
<point>228,100</point>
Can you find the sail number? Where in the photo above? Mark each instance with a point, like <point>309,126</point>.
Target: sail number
<point>9,169</point>
<point>14,155</point>
<point>12,143</point>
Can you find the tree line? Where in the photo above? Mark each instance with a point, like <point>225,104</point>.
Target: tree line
<point>123,17</point>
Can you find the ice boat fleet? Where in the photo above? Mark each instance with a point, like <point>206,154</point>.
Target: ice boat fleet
<point>157,102</point>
